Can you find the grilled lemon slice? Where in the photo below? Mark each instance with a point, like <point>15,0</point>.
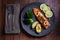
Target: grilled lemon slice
<point>46,9</point>
<point>49,14</point>
<point>42,6</point>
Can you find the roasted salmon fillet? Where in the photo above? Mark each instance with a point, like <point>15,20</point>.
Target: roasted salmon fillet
<point>41,18</point>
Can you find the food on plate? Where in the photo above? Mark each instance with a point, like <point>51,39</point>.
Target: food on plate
<point>28,17</point>
<point>38,28</point>
<point>29,14</point>
<point>28,21</point>
<point>44,7</point>
<point>41,15</point>
<point>34,24</point>
<point>46,10</point>
<point>49,14</point>
<point>41,18</point>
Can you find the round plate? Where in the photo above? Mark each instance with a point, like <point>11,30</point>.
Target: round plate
<point>27,27</point>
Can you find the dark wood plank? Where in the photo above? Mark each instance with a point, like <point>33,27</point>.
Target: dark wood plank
<point>54,35</point>
<point>16,37</point>
<point>7,37</point>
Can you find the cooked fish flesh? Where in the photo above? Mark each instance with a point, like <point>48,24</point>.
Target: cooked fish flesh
<point>41,18</point>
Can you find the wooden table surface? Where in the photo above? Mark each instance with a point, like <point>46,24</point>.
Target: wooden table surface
<point>54,35</point>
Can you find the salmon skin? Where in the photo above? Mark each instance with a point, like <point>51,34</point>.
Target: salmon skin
<point>41,18</point>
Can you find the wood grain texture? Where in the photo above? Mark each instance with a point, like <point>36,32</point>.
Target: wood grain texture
<point>54,35</point>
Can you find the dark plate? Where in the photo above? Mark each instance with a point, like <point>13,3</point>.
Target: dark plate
<point>27,27</point>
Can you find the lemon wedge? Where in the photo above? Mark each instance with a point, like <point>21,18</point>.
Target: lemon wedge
<point>38,28</point>
<point>34,24</point>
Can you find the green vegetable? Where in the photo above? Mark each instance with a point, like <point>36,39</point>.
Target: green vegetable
<point>28,17</point>
<point>29,14</point>
<point>28,21</point>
